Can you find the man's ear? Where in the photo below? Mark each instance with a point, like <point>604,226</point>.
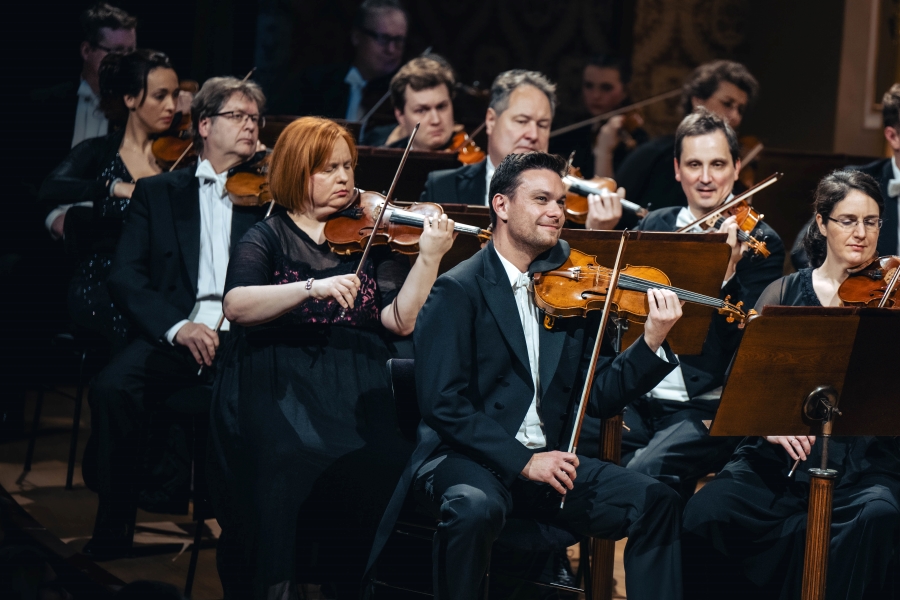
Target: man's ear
<point>893,138</point>
<point>677,171</point>
<point>737,169</point>
<point>501,206</point>
<point>84,49</point>
<point>490,119</point>
<point>203,127</point>
<point>398,114</point>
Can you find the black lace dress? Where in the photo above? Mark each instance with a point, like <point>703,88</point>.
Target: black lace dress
<point>746,529</point>
<point>303,435</point>
<point>90,304</point>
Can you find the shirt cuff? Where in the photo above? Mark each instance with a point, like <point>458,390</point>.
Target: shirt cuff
<point>661,352</point>
<point>173,331</point>
<point>56,213</point>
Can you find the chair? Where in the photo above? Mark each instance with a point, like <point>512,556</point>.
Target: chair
<point>522,535</point>
<point>195,402</point>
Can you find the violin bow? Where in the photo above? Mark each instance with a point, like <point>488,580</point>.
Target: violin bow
<point>617,112</point>
<point>734,201</point>
<point>595,356</point>
<point>191,145</point>
<point>892,285</point>
<point>380,218</point>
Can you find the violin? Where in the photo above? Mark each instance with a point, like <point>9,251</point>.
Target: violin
<point>247,183</point>
<point>467,151</point>
<point>873,284</point>
<point>578,188</point>
<point>349,230</point>
<point>175,146</point>
<point>580,285</point>
<point>747,218</point>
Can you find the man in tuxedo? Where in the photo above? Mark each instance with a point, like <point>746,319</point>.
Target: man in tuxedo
<point>518,119</point>
<point>349,91</point>
<point>666,437</point>
<point>724,87</point>
<point>498,392</point>
<point>168,277</point>
<point>886,172</point>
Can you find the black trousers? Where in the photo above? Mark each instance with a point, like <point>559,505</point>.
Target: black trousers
<point>123,397</point>
<point>668,441</point>
<point>607,502</point>
<point>745,534</point>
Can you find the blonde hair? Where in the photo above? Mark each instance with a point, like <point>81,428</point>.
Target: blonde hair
<point>301,151</point>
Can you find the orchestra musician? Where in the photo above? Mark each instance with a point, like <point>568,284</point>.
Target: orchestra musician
<point>167,278</point>
<point>600,148</point>
<point>302,385</point>
<point>138,94</point>
<point>422,92</point>
<point>724,87</point>
<point>745,530</point>
<point>886,172</point>
<point>665,436</point>
<point>349,91</point>
<point>497,392</point>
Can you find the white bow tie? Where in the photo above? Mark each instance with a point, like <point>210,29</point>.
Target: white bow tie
<point>521,281</point>
<point>894,188</point>
<point>206,174</point>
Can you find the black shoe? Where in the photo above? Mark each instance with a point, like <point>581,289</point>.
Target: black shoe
<point>562,570</point>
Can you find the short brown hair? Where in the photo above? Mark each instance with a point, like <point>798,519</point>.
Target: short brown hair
<point>422,73</point>
<point>705,80</point>
<point>701,122</point>
<point>300,152</point>
<point>215,93</point>
<point>890,107</point>
<point>103,15</point>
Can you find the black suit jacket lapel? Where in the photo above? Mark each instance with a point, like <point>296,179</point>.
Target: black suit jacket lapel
<point>500,301</point>
<point>470,184</point>
<point>887,240</point>
<point>185,199</point>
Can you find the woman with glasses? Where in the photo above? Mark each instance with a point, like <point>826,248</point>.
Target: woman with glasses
<point>304,445</point>
<point>744,532</point>
<point>139,92</point>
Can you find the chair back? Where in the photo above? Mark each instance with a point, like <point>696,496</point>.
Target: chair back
<point>403,383</point>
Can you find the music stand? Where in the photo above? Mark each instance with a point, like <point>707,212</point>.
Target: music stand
<point>375,170</point>
<point>814,359</point>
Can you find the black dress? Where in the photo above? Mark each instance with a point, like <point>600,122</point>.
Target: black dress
<point>745,531</point>
<point>85,176</point>
<point>304,435</point>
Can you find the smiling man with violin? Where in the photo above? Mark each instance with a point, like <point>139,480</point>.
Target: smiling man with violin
<point>498,392</point>
<point>666,438</point>
<point>168,277</point>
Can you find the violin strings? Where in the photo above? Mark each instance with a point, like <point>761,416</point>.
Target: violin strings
<point>642,285</point>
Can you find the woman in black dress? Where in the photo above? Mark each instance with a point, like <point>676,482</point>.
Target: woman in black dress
<point>302,400</point>
<point>744,532</point>
<point>139,91</point>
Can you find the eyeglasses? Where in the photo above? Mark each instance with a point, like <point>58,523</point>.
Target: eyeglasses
<point>850,224</point>
<point>236,116</point>
<point>383,39</point>
<point>118,50</point>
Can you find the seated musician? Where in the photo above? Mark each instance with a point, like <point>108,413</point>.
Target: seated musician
<point>724,87</point>
<point>348,91</point>
<point>302,386</point>
<point>422,92</point>
<point>601,148</point>
<point>886,172</point>
<point>138,93</point>
<point>666,438</point>
<point>498,393</point>
<point>167,278</point>
<point>745,530</point>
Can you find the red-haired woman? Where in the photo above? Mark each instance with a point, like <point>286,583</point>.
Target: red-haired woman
<point>302,390</point>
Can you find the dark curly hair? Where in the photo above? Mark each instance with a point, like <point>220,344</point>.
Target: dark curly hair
<point>126,75</point>
<point>833,188</point>
<point>705,80</point>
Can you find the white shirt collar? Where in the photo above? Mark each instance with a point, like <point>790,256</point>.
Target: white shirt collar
<point>686,216</point>
<point>85,92</point>
<point>207,175</point>
<point>512,271</point>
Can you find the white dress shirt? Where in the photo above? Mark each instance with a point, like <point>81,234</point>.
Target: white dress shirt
<point>357,84</point>
<point>215,247</point>
<point>489,172</point>
<point>531,432</point>
<point>672,387</point>
<point>90,122</point>
<point>895,198</point>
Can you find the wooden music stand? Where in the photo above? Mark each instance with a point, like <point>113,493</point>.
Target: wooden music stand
<point>376,167</point>
<point>814,359</point>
